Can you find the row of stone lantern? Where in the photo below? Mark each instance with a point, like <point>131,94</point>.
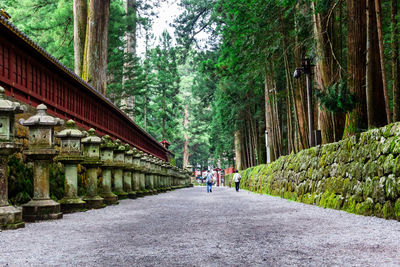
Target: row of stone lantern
<point>125,171</point>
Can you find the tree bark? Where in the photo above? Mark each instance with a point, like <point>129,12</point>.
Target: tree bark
<point>300,92</point>
<point>395,63</point>
<point>238,150</point>
<point>95,65</point>
<point>327,72</point>
<point>128,100</point>
<point>356,40</point>
<point>374,80</point>
<point>382,59</point>
<point>80,21</point>
<point>186,137</point>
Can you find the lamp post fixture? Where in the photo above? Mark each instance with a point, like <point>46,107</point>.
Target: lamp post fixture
<point>306,68</point>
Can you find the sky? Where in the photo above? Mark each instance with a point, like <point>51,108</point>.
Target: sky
<point>167,12</point>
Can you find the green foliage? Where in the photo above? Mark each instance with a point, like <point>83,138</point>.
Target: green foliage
<point>20,180</point>
<point>48,23</point>
<point>336,98</point>
<point>57,180</point>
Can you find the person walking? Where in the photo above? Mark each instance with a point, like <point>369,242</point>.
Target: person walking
<point>236,178</point>
<point>209,181</point>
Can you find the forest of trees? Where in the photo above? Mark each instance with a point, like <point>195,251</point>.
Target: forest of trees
<point>214,99</point>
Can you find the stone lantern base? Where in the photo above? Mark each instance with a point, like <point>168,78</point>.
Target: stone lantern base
<point>132,195</point>
<point>95,202</point>
<point>140,193</point>
<point>41,209</point>
<point>109,198</point>
<point>10,218</point>
<point>69,205</point>
<point>121,194</point>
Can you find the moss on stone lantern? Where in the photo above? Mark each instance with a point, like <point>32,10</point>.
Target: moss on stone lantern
<point>107,156</point>
<point>10,216</point>
<point>92,161</point>
<point>119,165</point>
<point>128,172</point>
<point>70,155</point>
<point>41,153</point>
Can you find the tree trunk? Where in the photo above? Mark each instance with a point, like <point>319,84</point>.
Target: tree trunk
<point>382,57</point>
<point>95,65</point>
<point>80,21</point>
<point>356,40</point>
<point>128,100</point>
<point>327,72</point>
<point>395,63</point>
<point>300,92</point>
<point>374,92</point>
<point>238,150</point>
<point>186,137</point>
<point>164,112</point>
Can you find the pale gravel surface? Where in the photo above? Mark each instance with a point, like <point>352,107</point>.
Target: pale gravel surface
<point>189,227</point>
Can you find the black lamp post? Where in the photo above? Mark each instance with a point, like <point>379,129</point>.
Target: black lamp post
<point>306,68</point>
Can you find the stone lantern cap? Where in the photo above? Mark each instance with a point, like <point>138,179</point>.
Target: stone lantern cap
<point>107,143</point>
<point>128,158</point>
<point>41,118</point>
<point>119,154</point>
<point>9,106</point>
<point>107,151</point>
<point>136,153</point>
<point>70,143</point>
<point>137,156</point>
<point>91,144</point>
<point>70,131</point>
<point>128,150</point>
<point>91,137</point>
<point>118,146</point>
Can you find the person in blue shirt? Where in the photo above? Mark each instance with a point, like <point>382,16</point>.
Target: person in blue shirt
<point>209,181</point>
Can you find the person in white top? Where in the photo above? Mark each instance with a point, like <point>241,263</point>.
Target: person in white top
<point>236,178</point>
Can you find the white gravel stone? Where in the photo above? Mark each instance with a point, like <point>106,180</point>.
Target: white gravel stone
<point>189,227</point>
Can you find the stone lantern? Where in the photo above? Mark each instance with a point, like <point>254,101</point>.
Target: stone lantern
<point>168,176</point>
<point>10,217</point>
<point>119,165</point>
<point>92,161</point>
<point>128,172</point>
<point>150,165</point>
<point>141,174</point>
<point>153,177</point>
<point>41,152</point>
<point>147,173</point>
<point>159,173</point>
<point>70,156</point>
<point>164,170</point>
<point>107,156</point>
<point>136,169</point>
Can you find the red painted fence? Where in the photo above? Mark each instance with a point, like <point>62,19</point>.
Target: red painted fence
<point>31,75</point>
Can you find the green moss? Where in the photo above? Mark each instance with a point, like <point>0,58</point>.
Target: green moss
<point>387,210</point>
<point>366,207</point>
<point>349,205</point>
<point>378,210</point>
<point>391,188</point>
<point>397,209</point>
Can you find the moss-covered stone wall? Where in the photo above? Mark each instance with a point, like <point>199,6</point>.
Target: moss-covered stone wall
<point>360,174</point>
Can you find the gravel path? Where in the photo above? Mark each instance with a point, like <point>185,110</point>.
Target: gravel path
<point>189,227</point>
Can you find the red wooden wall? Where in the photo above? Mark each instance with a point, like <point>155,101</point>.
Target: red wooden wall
<point>32,76</point>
